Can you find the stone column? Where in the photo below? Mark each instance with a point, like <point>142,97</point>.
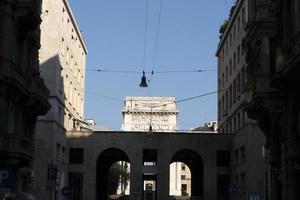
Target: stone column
<point>136,176</point>
<point>163,174</point>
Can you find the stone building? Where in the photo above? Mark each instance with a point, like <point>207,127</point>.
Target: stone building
<point>62,64</point>
<point>141,113</point>
<point>247,163</point>
<point>23,95</point>
<point>272,49</point>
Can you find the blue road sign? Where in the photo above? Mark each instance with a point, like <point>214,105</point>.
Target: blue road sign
<point>66,191</point>
<point>52,172</point>
<point>6,177</point>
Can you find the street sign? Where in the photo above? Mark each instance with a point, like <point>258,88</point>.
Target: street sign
<point>52,172</point>
<point>6,177</point>
<point>66,191</point>
<point>51,176</point>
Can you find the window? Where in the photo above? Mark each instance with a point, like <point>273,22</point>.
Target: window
<point>183,177</point>
<point>234,61</point>
<point>183,167</point>
<point>234,32</point>
<point>236,156</point>
<point>243,83</point>
<point>223,158</point>
<point>266,186</point>
<point>238,24</point>
<point>222,187</point>
<point>76,156</point>
<point>238,53</point>
<point>230,96</point>
<point>238,82</point>
<point>242,154</point>
<point>243,17</point>
<point>11,128</point>
<point>243,182</point>
<point>230,67</point>
<point>223,101</point>
<point>226,101</point>
<point>223,79</point>
<point>234,123</point>
<point>234,91</point>
<point>239,121</point>
<point>226,74</point>
<point>58,151</point>
<point>76,183</point>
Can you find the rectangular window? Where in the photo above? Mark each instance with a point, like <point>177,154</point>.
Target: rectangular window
<point>222,187</point>
<point>239,121</point>
<point>223,79</point>
<point>230,67</point>
<point>223,107</point>
<point>230,96</point>
<point>11,128</point>
<point>223,158</point>
<point>242,154</point>
<point>234,61</point>
<point>238,85</point>
<point>58,146</point>
<point>234,91</point>
<point>76,155</point>
<point>236,156</point>
<point>238,54</point>
<point>226,101</point>
<point>243,83</point>
<point>226,75</point>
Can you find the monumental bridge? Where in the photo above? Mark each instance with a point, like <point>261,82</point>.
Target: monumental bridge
<point>199,151</point>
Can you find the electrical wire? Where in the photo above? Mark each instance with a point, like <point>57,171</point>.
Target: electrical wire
<point>145,34</point>
<point>156,41</point>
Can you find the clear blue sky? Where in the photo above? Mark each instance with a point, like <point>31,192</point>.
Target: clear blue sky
<point>114,32</point>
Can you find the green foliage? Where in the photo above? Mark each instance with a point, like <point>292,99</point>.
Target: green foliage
<point>118,174</point>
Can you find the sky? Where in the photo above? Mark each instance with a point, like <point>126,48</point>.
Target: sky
<point>183,36</point>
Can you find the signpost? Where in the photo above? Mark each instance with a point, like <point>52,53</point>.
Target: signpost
<point>66,191</point>
<point>6,178</point>
<point>51,179</point>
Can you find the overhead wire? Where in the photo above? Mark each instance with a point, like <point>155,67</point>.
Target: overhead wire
<point>156,40</point>
<point>145,34</point>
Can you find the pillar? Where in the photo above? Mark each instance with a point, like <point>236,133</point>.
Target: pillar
<point>136,176</point>
<point>163,174</point>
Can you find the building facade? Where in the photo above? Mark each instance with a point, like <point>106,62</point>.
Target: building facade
<point>23,95</point>
<point>141,113</point>
<point>248,168</point>
<point>272,48</point>
<point>62,64</point>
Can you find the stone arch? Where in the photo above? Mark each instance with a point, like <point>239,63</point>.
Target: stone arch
<point>104,162</point>
<point>195,163</point>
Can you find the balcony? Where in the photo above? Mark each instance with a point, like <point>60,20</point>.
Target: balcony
<point>28,13</point>
<point>293,148</point>
<point>16,146</point>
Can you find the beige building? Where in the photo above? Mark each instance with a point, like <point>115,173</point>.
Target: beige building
<point>23,95</point>
<point>62,65</point>
<point>247,163</point>
<point>141,113</point>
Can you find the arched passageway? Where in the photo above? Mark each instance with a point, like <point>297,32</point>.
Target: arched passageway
<point>194,162</point>
<point>104,162</point>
